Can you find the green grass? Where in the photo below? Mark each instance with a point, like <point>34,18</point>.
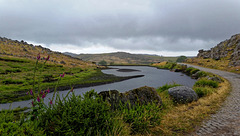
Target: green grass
<point>166,87</point>
<point>16,77</point>
<point>205,82</point>
<point>90,115</point>
<point>84,115</point>
<point>204,91</point>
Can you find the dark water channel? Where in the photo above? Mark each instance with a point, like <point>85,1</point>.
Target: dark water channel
<point>153,77</point>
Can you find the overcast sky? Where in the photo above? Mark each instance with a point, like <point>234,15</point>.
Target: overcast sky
<point>163,27</point>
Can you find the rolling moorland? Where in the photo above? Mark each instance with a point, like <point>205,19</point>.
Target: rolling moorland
<point>123,58</point>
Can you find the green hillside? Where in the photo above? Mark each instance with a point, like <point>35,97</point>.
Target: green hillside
<point>18,65</point>
<point>123,58</point>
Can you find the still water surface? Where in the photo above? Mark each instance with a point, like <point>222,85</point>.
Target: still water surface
<point>153,77</point>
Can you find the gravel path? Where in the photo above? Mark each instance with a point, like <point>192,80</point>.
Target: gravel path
<point>226,122</point>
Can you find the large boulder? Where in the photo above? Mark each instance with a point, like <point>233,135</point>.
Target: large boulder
<point>142,96</point>
<point>182,94</point>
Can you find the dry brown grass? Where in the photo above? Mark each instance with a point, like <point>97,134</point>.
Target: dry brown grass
<point>12,48</point>
<point>183,119</point>
<point>214,64</point>
<point>160,64</point>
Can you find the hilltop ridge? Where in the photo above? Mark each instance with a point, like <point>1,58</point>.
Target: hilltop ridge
<point>116,58</point>
<point>23,49</point>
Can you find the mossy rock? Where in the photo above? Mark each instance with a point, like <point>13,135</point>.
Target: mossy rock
<point>139,96</point>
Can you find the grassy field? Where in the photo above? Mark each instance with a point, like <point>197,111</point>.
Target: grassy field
<point>16,77</point>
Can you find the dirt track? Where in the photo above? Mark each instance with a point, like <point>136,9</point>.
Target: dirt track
<point>226,122</point>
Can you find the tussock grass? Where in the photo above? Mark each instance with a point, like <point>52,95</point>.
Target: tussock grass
<point>183,119</point>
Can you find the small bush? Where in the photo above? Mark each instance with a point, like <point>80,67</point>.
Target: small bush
<point>203,91</point>
<point>189,69</point>
<point>167,65</point>
<point>193,71</point>
<point>166,87</point>
<point>202,74</point>
<point>205,82</point>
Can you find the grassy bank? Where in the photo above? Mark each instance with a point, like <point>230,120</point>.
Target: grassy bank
<point>16,77</point>
<point>183,119</point>
<point>90,115</point>
<point>214,64</point>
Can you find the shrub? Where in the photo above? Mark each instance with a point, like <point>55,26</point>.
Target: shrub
<point>181,59</point>
<point>201,74</point>
<point>166,87</point>
<point>205,82</point>
<point>189,69</point>
<point>193,71</point>
<point>203,91</point>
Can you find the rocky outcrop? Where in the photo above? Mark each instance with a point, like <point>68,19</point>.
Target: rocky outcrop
<point>142,96</point>
<point>228,49</point>
<point>182,94</point>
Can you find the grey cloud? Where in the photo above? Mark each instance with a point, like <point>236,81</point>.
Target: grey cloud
<point>170,25</point>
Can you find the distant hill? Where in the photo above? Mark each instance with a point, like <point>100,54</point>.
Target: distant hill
<point>119,58</point>
<point>70,54</point>
<point>22,49</point>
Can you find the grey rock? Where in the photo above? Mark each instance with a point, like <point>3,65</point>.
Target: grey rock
<point>142,96</point>
<point>62,62</point>
<point>182,94</point>
<point>217,79</point>
<point>223,49</point>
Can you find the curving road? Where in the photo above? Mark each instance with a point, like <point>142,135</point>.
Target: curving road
<point>226,122</point>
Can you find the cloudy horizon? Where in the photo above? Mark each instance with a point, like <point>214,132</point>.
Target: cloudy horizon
<point>166,27</point>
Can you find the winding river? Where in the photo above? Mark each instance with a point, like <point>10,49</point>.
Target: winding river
<point>153,77</point>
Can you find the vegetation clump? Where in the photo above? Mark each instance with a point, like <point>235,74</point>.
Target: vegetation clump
<point>205,82</point>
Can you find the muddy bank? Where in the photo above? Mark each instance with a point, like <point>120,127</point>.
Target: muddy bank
<point>112,79</point>
<point>118,79</point>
